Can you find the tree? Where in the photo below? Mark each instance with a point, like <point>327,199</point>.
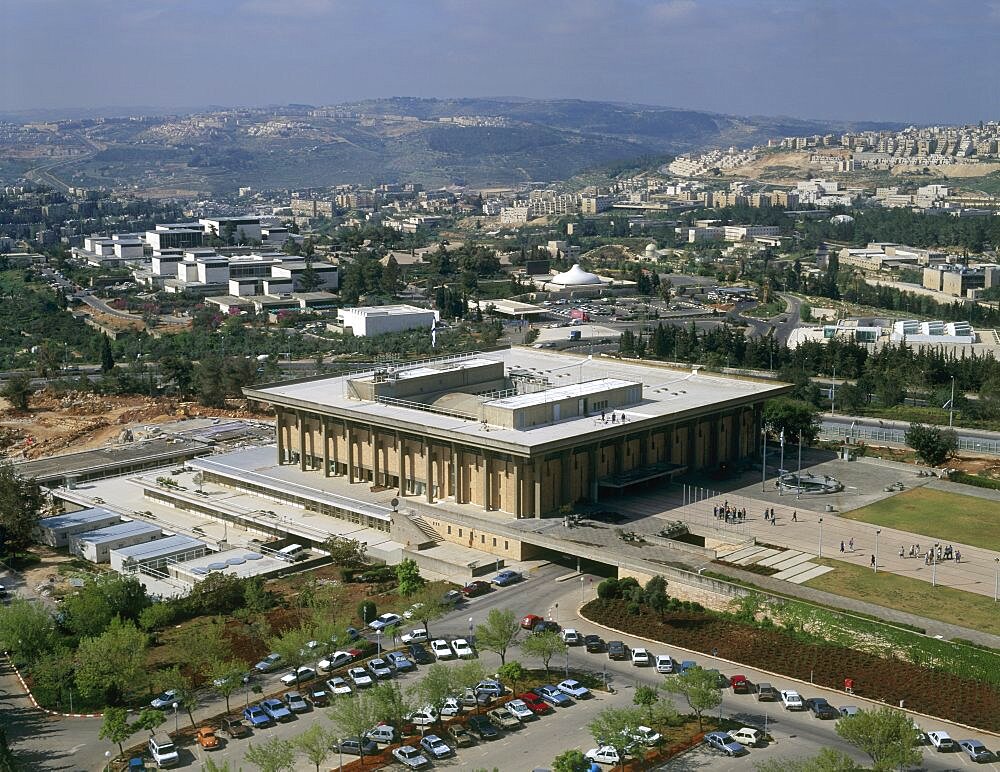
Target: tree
<point>315,744</point>
<point>437,685</point>
<point>346,553</point>
<point>227,677</point>
<point>408,577</point>
<point>293,648</point>
<point>792,416</point>
<point>309,280</point>
<point>615,727</point>
<point>646,696</point>
<point>18,390</point>
<point>430,606</point>
<point>107,356</point>
<point>186,696</point>
<point>149,719</point>
<point>699,687</point>
<point>179,371</point>
<point>499,632</point>
<point>208,379</point>
<point>89,612</point>
<point>8,761</point>
<point>21,503</point>
<point>571,761</point>
<point>26,629</point>
<point>116,727</point>
<point>512,672</point>
<point>827,760</point>
<point>111,664</point>
<point>390,276</point>
<point>392,706</point>
<point>544,646</point>
<point>353,716</point>
<point>367,611</point>
<point>932,443</point>
<point>886,735</point>
<point>274,755</point>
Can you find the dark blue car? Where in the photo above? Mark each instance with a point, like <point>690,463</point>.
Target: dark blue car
<point>256,717</point>
<point>553,696</point>
<point>276,709</point>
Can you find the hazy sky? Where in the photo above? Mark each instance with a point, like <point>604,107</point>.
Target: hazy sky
<point>909,60</point>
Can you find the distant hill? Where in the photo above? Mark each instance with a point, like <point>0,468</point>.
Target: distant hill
<point>432,141</point>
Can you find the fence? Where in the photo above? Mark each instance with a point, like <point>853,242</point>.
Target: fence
<point>898,437</point>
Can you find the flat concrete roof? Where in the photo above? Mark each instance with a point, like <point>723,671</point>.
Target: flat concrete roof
<point>236,562</point>
<point>165,546</point>
<point>597,386</point>
<point>76,518</point>
<point>514,307</point>
<point>109,458</point>
<point>667,394</point>
<point>113,532</point>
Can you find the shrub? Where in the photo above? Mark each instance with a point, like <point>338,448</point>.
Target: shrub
<point>609,589</point>
<point>367,611</point>
<point>159,615</point>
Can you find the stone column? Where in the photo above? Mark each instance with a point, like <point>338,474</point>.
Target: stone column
<point>336,449</point>
<point>593,453</point>
<point>537,474</point>
<point>428,473</point>
<point>326,446</point>
<point>401,464</point>
<point>565,473</point>
<point>350,453</point>
<point>518,488</point>
<point>644,439</point>
<point>373,439</point>
<point>455,478</point>
<point>486,480</point>
<point>300,426</point>
<point>279,424</point>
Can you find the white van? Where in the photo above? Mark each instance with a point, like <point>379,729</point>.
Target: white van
<point>293,552</point>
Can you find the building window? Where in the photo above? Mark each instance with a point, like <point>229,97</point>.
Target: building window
<point>449,530</point>
<point>506,545</point>
<point>494,541</point>
<point>459,533</point>
<point>482,539</point>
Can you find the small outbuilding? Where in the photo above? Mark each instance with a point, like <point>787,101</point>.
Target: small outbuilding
<point>96,546</point>
<point>57,530</point>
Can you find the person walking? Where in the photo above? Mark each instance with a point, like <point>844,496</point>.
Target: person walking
<point>850,544</point>
<point>958,556</point>
<point>795,516</point>
<point>841,547</point>
<point>873,561</point>
<point>902,551</point>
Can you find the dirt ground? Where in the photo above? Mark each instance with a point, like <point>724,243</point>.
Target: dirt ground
<point>78,420</point>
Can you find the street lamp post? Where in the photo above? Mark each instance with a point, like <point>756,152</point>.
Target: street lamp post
<point>875,564</point>
<point>763,465</point>
<point>951,403</point>
<point>176,706</point>
<point>470,631</point>
<point>781,461</point>
<point>378,643</point>
<point>833,392</point>
<point>798,478</point>
<point>821,537</point>
<point>996,578</point>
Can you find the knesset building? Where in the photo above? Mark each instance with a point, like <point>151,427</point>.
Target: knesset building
<point>518,431</point>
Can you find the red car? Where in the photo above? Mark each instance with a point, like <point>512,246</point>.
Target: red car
<point>472,589</point>
<point>740,684</point>
<point>536,705</point>
<point>529,622</point>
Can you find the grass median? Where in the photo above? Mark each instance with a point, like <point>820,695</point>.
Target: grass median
<point>914,596</point>
<point>946,517</point>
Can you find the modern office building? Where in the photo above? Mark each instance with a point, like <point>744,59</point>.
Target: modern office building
<point>57,530</point>
<point>517,431</point>
<point>96,546</point>
<point>377,320</point>
<point>157,555</point>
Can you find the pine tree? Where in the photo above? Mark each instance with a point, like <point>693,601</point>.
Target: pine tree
<point>107,356</point>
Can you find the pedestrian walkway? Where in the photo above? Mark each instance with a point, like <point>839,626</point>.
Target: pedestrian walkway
<point>791,565</point>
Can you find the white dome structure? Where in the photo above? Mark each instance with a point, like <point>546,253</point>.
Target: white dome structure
<point>651,250</point>
<point>575,277</point>
<point>840,219</point>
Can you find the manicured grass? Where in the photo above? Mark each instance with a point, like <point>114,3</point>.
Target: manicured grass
<point>945,604</point>
<point>948,517</point>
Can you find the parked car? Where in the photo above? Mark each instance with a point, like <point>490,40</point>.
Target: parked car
<point>435,747</point>
<point>553,696</point>
<point>356,747</point>
<point>594,644</point>
<point>664,663</point>
<point>605,754</point>
<point>977,751</point>
<point>419,654</point>
<point>399,662</point>
<point>338,685</point>
<point>685,665</point>
<point>234,728</point>
<point>461,736</point>
<point>748,737</point>
<point>644,735</point>
<point>452,597</point>
<point>521,710</point>
<point>164,700</point>
<point>766,693</point>
<point>416,635</point>
<point>740,684</point>
<point>641,657</point>
<point>476,588</point>
<point>529,621</point>
<point>791,700</point>
<point>571,637</point>
<point>414,609</point>
<point>382,733</point>
<point>335,660</point>
<point>546,626</point>
<point>267,664</point>
<point>504,719</point>
<point>723,742</point>
<point>410,757</point>
<point>256,717</point>
<point>506,577</point>
<point>462,649</point>
<point>276,709</point>
<point>821,708</point>
<point>721,680</point>
<point>482,728</point>
<point>425,716</point>
<point>617,650</point>
<point>574,689</point>
<point>491,688</point>
<point>319,697</point>
<point>163,750</point>
<point>384,621</point>
<point>441,650</point>
<point>942,741</point>
<point>379,668</point>
<point>296,702</point>
<point>298,675</point>
<point>537,705</point>
<point>206,738</point>
<point>452,707</point>
<point>360,677</point>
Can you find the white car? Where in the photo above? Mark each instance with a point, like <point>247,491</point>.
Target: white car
<point>441,649</point>
<point>379,668</point>
<point>664,663</point>
<point>410,757</point>
<point>748,737</point>
<point>360,676</point>
<point>418,635</point>
<point>571,637</point>
<point>520,710</point>
<point>298,675</point>
<point>335,660</point>
<point>462,649</point>
<point>408,614</point>
<point>647,736</point>
<point>452,707</point>
<point>942,741</point>
<point>384,621</point>
<point>641,657</point>
<point>164,700</point>
<point>424,716</point>
<point>338,685</point>
<point>791,700</point>
<point>606,754</point>
<point>573,688</point>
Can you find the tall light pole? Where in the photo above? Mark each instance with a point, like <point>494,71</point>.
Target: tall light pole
<point>378,643</point>
<point>798,479</point>
<point>781,462</point>
<point>470,631</point>
<point>176,706</point>
<point>833,391</point>
<point>763,465</point>
<point>875,564</point>
<point>996,578</point>
<point>821,537</point>
<point>951,403</point>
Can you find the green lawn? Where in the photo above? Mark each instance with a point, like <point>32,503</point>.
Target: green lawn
<point>949,517</point>
<point>914,596</point>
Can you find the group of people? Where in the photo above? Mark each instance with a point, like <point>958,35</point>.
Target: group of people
<point>935,554</point>
<point>769,516</point>
<point>730,514</point>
